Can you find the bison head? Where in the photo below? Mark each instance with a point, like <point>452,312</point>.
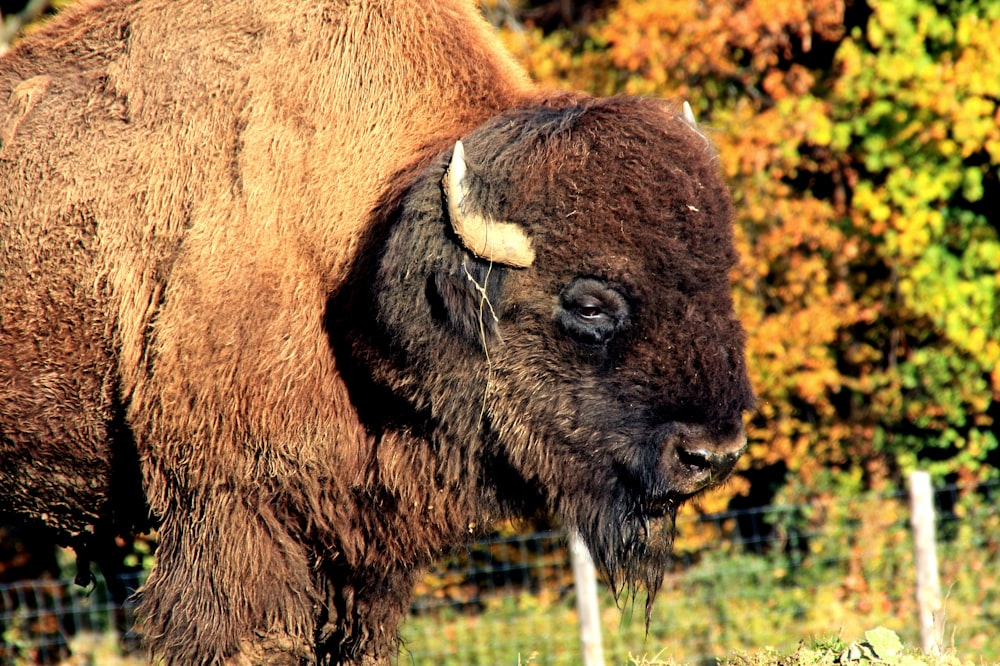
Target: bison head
<point>553,300</point>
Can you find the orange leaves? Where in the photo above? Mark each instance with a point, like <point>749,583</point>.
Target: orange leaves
<point>790,296</point>
<point>545,57</point>
<point>664,46</point>
<point>651,39</point>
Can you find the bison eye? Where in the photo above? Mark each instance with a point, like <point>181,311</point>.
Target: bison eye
<point>591,311</point>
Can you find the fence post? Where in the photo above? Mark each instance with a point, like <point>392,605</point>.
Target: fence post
<point>585,583</point>
<point>925,553</point>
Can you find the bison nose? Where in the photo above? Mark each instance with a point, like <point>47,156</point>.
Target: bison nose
<point>695,457</point>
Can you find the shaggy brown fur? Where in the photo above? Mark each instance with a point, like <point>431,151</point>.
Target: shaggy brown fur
<point>226,270</point>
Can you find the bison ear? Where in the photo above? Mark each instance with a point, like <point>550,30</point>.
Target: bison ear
<point>465,299</point>
<point>500,242</point>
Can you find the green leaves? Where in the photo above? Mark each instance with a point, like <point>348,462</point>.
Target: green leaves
<point>882,644</point>
<point>922,124</point>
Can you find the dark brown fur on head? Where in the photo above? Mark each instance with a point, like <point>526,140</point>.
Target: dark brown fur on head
<point>621,196</point>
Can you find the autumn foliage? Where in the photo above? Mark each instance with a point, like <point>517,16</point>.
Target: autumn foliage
<point>863,145</point>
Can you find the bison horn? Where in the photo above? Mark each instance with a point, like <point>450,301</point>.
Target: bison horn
<point>689,115</point>
<point>501,242</point>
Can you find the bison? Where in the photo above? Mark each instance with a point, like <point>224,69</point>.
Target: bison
<point>330,287</point>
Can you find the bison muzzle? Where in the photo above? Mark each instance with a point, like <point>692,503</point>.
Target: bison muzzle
<point>322,290</point>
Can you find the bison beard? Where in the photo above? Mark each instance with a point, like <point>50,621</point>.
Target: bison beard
<point>634,551</point>
<point>332,286</point>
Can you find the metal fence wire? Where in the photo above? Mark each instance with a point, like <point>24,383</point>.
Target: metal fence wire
<point>771,576</point>
<point>47,621</point>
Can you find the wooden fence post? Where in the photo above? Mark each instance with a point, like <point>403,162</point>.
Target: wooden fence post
<point>925,552</point>
<point>587,607</point>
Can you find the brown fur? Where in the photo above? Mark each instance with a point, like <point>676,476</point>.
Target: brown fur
<point>225,270</point>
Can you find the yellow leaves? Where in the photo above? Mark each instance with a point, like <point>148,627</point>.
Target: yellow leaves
<point>992,145</point>
<point>975,123</point>
<point>821,133</point>
<point>765,145</point>
<point>662,45</point>
<point>792,349</point>
<point>914,233</point>
<point>939,80</point>
<point>870,210</point>
<point>851,62</point>
<point>887,16</point>
<point>546,57</point>
<point>754,150</point>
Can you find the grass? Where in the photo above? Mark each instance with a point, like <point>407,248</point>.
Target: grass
<point>878,646</point>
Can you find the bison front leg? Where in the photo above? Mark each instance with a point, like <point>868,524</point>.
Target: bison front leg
<point>231,586</point>
<point>364,606</point>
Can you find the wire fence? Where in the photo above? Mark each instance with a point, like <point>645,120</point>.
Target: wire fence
<point>766,577</point>
<point>58,621</point>
<point>742,580</point>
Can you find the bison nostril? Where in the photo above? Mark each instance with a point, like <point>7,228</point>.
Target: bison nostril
<point>709,460</point>
<point>699,458</point>
<point>695,457</point>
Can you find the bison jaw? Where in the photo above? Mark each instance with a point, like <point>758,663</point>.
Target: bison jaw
<point>501,242</point>
<point>631,551</point>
